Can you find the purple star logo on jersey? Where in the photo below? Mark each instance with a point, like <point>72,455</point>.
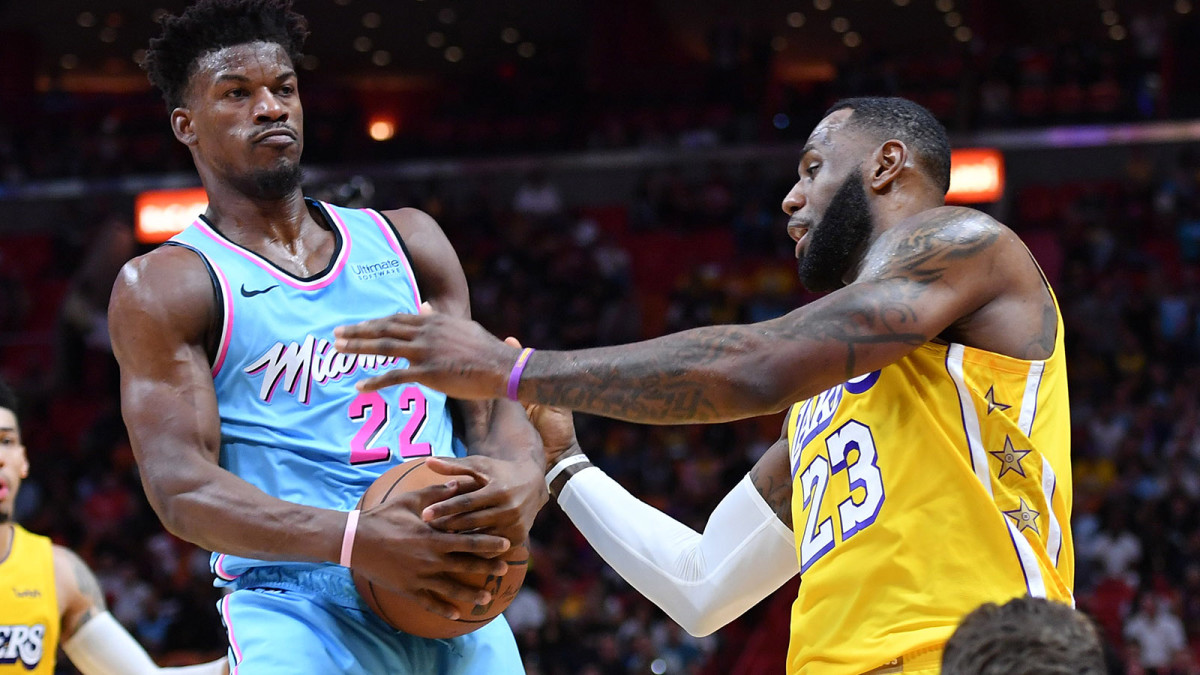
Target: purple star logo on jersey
<point>1024,517</point>
<point>990,397</point>
<point>1010,458</point>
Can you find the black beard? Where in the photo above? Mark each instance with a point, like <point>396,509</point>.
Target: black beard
<point>271,184</point>
<point>833,242</point>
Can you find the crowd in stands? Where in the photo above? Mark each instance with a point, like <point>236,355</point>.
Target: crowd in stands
<point>691,249</point>
<point>733,93</point>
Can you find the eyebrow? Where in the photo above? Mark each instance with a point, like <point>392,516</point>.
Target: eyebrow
<point>242,78</point>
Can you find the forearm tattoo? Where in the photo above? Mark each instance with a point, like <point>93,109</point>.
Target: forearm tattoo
<point>685,377</point>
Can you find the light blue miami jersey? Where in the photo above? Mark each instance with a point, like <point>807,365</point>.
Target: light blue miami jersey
<point>292,422</point>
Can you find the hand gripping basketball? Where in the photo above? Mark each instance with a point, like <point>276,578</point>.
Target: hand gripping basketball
<point>409,611</point>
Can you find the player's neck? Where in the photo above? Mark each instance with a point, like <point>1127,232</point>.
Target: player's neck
<point>238,216</point>
<point>8,534</point>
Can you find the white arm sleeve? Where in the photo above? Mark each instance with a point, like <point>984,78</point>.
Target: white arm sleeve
<point>702,581</point>
<point>103,647</point>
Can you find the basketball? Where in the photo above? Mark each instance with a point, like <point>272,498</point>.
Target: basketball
<point>402,612</point>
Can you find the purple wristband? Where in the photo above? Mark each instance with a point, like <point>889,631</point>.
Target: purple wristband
<point>514,378</point>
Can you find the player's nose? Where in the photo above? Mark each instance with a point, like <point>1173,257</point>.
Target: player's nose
<point>268,108</point>
<point>794,201</point>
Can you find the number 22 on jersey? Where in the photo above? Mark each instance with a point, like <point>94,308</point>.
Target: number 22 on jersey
<point>374,411</point>
<point>865,483</point>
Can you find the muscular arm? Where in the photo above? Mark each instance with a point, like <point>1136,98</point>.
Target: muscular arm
<point>917,280</point>
<point>159,314</point>
<point>942,269</point>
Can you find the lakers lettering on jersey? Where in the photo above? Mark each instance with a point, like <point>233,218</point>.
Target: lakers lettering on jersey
<point>921,491</point>
<point>292,422</point>
<point>29,619</point>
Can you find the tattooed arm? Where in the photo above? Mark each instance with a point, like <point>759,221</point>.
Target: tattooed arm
<point>922,277</point>
<point>92,638</point>
<point>79,595</point>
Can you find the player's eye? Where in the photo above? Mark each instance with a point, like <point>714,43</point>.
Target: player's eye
<point>812,168</point>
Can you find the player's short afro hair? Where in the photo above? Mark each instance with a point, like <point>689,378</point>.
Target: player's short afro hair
<point>211,25</point>
<point>903,120</point>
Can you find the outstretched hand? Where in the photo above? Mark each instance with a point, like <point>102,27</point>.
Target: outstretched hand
<point>453,355</point>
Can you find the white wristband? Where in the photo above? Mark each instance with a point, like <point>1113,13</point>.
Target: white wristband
<point>562,466</point>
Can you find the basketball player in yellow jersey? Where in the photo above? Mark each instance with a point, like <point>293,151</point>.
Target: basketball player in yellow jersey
<point>48,596</point>
<point>924,468</point>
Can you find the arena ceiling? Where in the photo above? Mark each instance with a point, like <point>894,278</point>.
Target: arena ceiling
<point>88,44</point>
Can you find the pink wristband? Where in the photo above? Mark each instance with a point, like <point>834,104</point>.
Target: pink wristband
<point>348,537</point>
<point>514,378</point>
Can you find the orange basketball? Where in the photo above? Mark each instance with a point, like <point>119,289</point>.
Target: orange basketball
<point>401,611</point>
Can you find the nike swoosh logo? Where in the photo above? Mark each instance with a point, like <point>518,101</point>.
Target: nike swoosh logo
<point>251,294</point>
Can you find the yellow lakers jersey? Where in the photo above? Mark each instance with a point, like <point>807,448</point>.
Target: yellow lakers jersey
<point>921,491</point>
<point>29,618</point>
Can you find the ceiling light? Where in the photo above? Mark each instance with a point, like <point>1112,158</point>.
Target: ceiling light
<point>953,19</point>
<point>510,35</point>
<point>852,39</point>
<point>69,61</point>
<point>381,128</point>
<point>795,19</point>
<point>139,55</point>
<point>371,20</point>
<point>1109,17</point>
<point>381,57</point>
<point>435,39</point>
<point>778,43</point>
<point>1183,6</point>
<point>526,50</point>
<point>447,15</point>
<point>362,43</point>
<point>962,34</point>
<point>86,19</point>
<point>901,3</point>
<point>822,4</point>
<point>1117,32</point>
<point>944,5</point>
<point>841,24</point>
<point>453,54</point>
<point>108,34</point>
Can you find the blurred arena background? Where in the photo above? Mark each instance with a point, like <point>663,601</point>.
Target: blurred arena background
<point>610,171</point>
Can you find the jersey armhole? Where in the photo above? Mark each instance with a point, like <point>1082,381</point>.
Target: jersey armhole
<point>212,336</point>
<point>403,247</point>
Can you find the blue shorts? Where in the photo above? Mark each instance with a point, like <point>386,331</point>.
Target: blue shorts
<point>294,620</point>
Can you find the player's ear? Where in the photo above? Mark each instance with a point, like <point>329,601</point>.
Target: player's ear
<point>181,124</point>
<point>890,158</point>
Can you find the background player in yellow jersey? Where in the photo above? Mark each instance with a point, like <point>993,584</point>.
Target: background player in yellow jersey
<point>48,596</point>
<point>924,468</point>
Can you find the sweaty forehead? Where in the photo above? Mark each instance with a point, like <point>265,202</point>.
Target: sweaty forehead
<point>268,58</point>
<point>829,130</point>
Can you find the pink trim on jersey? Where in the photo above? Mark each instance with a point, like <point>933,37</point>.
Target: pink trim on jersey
<point>219,568</point>
<point>394,242</point>
<point>280,275</point>
<point>237,650</point>
<point>227,324</point>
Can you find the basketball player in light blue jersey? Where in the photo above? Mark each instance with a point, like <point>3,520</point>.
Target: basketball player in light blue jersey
<point>251,437</point>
